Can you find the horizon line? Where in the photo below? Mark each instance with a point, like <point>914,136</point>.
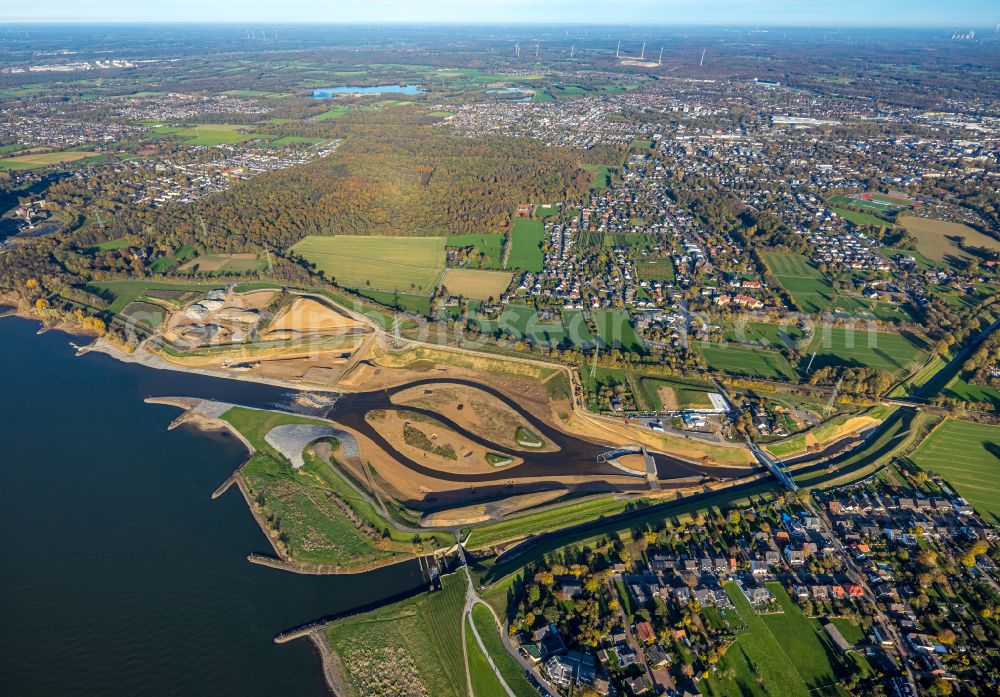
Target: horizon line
<point>495,23</point>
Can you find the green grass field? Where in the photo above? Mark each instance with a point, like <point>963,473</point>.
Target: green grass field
<point>740,360</point>
<point>165,263</point>
<point>765,334</point>
<point>604,176</point>
<point>124,292</point>
<point>894,353</point>
<point>577,331</point>
<point>216,134</point>
<point>967,455</point>
<point>484,680</point>
<point>509,668</point>
<point>543,521</point>
<point>490,246</point>
<point>110,245</point>
<point>335,112</point>
<point>689,394</point>
<point>969,392</point>
<point>295,140</point>
<point>656,270</point>
<point>526,245</point>
<point>315,531</point>
<point>410,647</point>
<point>39,160</point>
<point>861,218</point>
<point>614,327</point>
<point>788,651</point>
<point>804,282</point>
<point>406,264</point>
<point>522,322</point>
<point>404,302</point>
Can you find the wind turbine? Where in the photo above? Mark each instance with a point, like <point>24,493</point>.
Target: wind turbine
<point>702,61</point>
<point>618,51</point>
<point>642,56</point>
<point>660,61</point>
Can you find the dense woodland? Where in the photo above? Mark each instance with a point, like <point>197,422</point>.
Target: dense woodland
<point>384,180</point>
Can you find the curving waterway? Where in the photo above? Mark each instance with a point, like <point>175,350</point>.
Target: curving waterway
<point>120,575</point>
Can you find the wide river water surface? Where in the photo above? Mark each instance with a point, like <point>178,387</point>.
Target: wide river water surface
<point>120,575</point>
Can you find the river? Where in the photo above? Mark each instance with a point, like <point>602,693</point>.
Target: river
<point>120,575</point>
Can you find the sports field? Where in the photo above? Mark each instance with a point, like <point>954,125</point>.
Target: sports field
<point>44,159</point>
<point>526,245</point>
<point>476,284</point>
<point>938,239</point>
<point>893,353</point>
<point>967,455</point>
<point>740,360</point>
<point>409,264</point>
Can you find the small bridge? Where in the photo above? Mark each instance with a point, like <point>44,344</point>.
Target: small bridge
<point>775,466</point>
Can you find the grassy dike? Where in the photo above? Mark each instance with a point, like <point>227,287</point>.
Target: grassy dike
<point>410,647</point>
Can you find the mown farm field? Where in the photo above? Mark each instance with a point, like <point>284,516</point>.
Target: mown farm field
<point>741,360</point>
<point>476,284</point>
<point>967,455</point>
<point>786,654</point>
<point>39,160</point>
<point>526,245</point>
<point>407,264</point>
<point>843,346</point>
<point>939,239</point>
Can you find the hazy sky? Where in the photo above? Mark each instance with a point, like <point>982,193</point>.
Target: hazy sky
<point>943,13</point>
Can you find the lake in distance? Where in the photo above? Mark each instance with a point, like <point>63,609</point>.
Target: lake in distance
<point>121,575</point>
<point>328,92</point>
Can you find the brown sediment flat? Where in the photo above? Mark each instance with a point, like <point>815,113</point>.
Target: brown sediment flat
<point>470,457</point>
<point>474,410</point>
<point>483,512</point>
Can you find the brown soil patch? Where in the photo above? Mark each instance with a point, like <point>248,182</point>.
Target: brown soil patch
<point>477,411</point>
<point>214,262</point>
<point>306,317</point>
<point>668,398</point>
<point>444,449</point>
<point>634,462</point>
